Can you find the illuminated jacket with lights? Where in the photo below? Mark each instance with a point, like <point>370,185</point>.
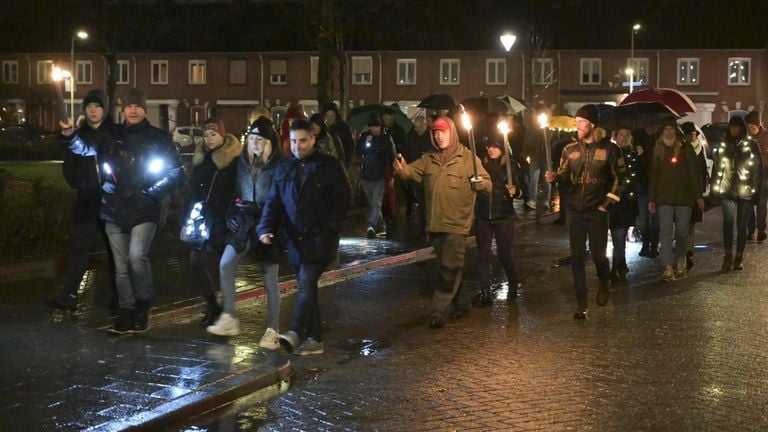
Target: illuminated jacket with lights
<point>593,173</point>
<point>623,213</point>
<point>378,155</point>
<point>139,168</point>
<point>675,175</point>
<point>737,168</point>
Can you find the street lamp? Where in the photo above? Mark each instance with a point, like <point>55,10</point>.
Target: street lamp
<point>631,62</point>
<point>82,35</point>
<point>507,40</point>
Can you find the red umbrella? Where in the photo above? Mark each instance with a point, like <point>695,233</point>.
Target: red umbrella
<point>673,99</point>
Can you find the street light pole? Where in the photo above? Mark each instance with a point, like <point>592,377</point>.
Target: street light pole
<point>631,62</point>
<point>82,35</point>
<point>507,40</point>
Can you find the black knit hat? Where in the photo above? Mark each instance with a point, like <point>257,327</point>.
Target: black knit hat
<point>264,128</point>
<point>688,127</point>
<point>753,118</point>
<point>134,97</point>
<point>98,97</point>
<point>589,112</point>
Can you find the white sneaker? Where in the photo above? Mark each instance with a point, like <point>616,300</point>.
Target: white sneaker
<point>270,340</point>
<point>226,325</point>
<point>310,347</point>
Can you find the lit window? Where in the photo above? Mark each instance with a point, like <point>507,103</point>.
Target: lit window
<point>406,71</point>
<point>449,71</point>
<point>362,70</point>
<point>687,71</point>
<point>197,72</point>
<point>738,71</point>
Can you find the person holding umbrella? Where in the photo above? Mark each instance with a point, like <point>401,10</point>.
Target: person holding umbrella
<point>594,168</point>
<point>452,176</point>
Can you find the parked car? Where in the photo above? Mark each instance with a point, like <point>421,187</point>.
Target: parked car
<point>187,137</point>
<point>25,135</point>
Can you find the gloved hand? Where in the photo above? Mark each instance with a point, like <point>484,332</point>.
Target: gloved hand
<point>108,187</point>
<point>477,184</point>
<point>232,224</point>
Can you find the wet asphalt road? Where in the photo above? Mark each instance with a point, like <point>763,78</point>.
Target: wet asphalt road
<point>688,355</point>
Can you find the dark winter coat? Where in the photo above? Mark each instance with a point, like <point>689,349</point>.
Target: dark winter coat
<point>213,181</point>
<point>377,155</point>
<point>311,211</point>
<point>132,192</point>
<point>623,213</point>
<point>342,131</point>
<point>252,189</point>
<point>417,145</point>
<point>675,177</point>
<point>398,136</point>
<point>737,168</point>
<point>498,205</point>
<point>647,143</point>
<point>594,173</point>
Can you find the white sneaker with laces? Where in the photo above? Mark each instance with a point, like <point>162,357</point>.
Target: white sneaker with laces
<point>226,325</point>
<point>270,340</point>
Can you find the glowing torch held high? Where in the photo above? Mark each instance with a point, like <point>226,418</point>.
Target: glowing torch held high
<point>468,127</point>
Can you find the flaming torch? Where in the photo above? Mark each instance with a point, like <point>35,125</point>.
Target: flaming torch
<point>468,126</point>
<point>543,124</point>
<point>59,75</point>
<point>504,129</point>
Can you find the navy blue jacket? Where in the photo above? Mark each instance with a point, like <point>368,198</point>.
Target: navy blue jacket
<point>313,212</point>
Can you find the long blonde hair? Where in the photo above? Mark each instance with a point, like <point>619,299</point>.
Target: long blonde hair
<point>264,154</point>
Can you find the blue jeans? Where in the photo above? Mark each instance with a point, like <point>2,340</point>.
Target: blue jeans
<point>133,271</point>
<point>534,172</point>
<point>680,217</point>
<point>738,210</point>
<point>306,308</point>
<point>374,193</point>
<point>230,259</point>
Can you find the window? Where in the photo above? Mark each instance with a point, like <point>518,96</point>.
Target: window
<point>238,72</point>
<point>449,71</point>
<point>687,71</point>
<point>159,72</point>
<point>83,75</point>
<point>362,70</point>
<point>590,71</point>
<point>639,69</point>
<point>278,72</point>
<point>406,71</point>
<point>542,70</point>
<point>738,71</point>
<point>44,68</point>
<point>314,65</point>
<point>123,72</point>
<point>10,72</point>
<point>197,72</point>
<point>495,71</point>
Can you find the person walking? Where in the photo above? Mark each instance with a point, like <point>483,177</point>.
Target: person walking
<point>736,178</point>
<point>648,224</point>
<point>139,168</point>
<point>255,170</point>
<point>691,135</point>
<point>450,186</point>
<point>211,190</point>
<point>674,186</point>
<point>495,218</point>
<point>622,215</point>
<point>757,216</point>
<point>309,199</point>
<point>418,142</point>
<point>594,168</point>
<point>378,153</point>
<point>339,129</point>
<point>82,174</point>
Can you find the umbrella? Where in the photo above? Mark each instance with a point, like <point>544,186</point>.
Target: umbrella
<point>438,101</point>
<point>676,100</point>
<point>633,114</point>
<point>563,122</point>
<point>514,103</point>
<point>358,117</point>
<point>485,105</point>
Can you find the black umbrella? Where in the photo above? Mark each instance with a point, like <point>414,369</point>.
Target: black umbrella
<point>438,101</point>
<point>358,117</point>
<point>486,105</point>
<point>635,114</point>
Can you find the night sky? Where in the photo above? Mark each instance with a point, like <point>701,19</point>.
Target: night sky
<point>242,25</point>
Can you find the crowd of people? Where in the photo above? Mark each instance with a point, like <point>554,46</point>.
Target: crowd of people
<point>275,195</point>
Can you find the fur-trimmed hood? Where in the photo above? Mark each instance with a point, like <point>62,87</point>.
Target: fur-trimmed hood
<point>222,156</point>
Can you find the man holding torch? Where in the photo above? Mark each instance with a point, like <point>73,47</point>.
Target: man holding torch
<point>594,170</point>
<point>451,177</point>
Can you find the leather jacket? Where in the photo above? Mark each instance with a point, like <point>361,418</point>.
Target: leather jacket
<point>594,173</point>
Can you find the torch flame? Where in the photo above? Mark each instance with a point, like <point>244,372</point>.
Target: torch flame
<point>503,127</point>
<point>543,120</point>
<point>465,121</point>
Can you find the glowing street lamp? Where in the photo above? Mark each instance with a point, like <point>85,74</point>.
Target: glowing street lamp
<point>507,41</point>
<point>631,62</point>
<point>82,35</point>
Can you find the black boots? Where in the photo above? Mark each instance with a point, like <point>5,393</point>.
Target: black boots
<point>123,323</point>
<point>486,297</point>
<point>63,301</point>
<point>603,293</point>
<point>132,320</point>
<point>738,260</point>
<point>212,312</point>
<point>141,317</point>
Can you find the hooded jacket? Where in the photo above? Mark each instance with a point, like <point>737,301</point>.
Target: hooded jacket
<point>138,168</point>
<point>213,177</point>
<point>445,175</point>
<point>497,205</point>
<point>595,173</point>
<point>737,166</point>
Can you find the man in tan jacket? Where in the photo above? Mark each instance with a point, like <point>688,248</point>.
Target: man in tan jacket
<point>450,184</point>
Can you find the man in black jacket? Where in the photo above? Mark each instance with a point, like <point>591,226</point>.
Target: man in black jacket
<point>594,169</point>
<point>310,198</point>
<point>378,153</point>
<point>82,174</point>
